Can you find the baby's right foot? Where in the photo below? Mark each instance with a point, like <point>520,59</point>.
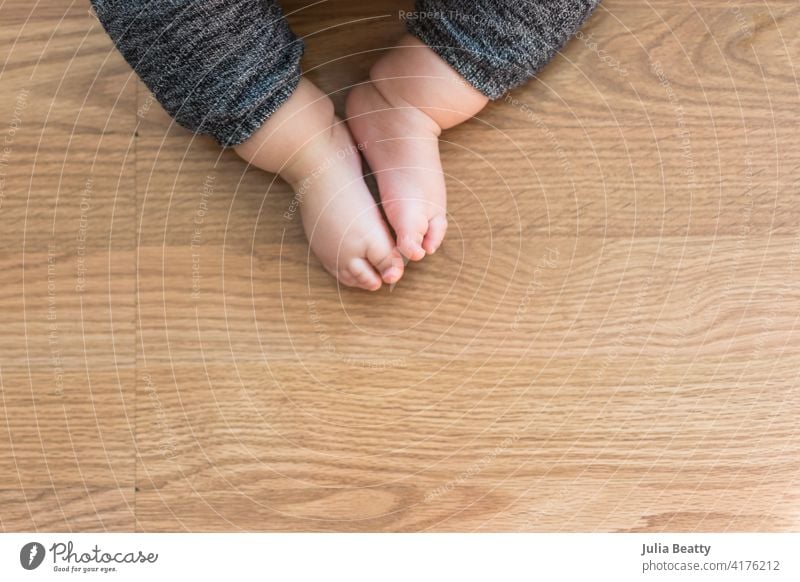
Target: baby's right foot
<point>397,117</point>
<point>314,152</point>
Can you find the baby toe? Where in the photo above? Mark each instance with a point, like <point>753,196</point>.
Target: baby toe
<point>437,227</point>
<point>410,227</point>
<point>389,264</point>
<point>410,244</point>
<point>364,274</point>
<point>384,256</point>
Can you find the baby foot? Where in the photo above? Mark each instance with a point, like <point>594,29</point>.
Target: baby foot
<point>343,223</point>
<point>397,118</point>
<point>313,151</point>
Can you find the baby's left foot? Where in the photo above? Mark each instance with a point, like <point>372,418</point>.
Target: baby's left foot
<point>397,116</point>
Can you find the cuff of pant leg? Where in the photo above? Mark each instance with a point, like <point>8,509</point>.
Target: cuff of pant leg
<point>478,69</point>
<point>237,129</point>
<point>217,68</point>
<point>497,45</point>
<point>265,81</point>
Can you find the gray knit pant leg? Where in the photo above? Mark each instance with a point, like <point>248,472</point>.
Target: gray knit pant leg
<point>218,67</point>
<point>497,45</point>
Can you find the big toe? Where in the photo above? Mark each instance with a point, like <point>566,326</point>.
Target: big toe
<point>362,273</point>
<point>410,228</point>
<point>388,262</point>
<point>437,227</point>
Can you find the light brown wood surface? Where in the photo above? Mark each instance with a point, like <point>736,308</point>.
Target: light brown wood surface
<point>607,341</point>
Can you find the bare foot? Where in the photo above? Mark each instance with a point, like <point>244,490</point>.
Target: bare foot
<point>397,117</point>
<point>313,151</point>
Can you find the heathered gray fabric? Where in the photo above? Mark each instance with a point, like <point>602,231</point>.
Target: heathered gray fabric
<point>497,45</point>
<point>221,67</point>
<point>218,67</point>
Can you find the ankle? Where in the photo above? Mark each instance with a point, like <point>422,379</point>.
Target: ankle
<point>289,141</point>
<point>413,74</point>
<point>376,97</point>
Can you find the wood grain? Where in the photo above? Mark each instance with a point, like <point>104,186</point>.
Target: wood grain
<point>608,340</point>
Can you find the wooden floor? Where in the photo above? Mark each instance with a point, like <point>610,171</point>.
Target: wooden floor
<point>609,339</point>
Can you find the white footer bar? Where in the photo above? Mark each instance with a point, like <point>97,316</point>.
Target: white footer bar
<point>389,557</point>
